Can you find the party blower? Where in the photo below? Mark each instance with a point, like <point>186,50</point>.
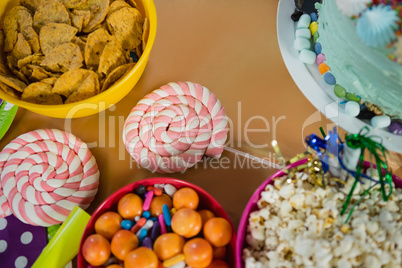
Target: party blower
<point>63,247</point>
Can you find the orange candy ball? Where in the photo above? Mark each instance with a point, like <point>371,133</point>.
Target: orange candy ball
<point>185,198</point>
<point>96,249</point>
<point>186,222</point>
<point>157,203</point>
<point>198,253</point>
<point>141,257</point>
<point>206,215</point>
<point>219,252</point>
<point>218,232</point>
<point>123,242</point>
<point>218,264</point>
<point>130,206</point>
<point>108,224</point>
<point>168,245</point>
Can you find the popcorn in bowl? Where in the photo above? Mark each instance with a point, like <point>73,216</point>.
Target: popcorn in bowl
<point>296,222</point>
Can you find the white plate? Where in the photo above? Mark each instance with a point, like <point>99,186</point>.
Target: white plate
<point>310,82</point>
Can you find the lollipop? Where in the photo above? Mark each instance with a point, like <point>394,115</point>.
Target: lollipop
<point>173,127</point>
<point>44,175</point>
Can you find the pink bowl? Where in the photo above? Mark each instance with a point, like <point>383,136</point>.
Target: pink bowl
<point>252,206</point>
<point>110,204</point>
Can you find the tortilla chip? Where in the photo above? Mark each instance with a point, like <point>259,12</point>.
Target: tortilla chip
<point>77,21</point>
<point>73,3</point>
<point>85,14</point>
<point>22,49</point>
<point>3,63</point>
<point>126,25</point>
<point>41,93</point>
<point>112,57</point>
<point>145,33</point>
<point>31,5</point>
<point>70,81</point>
<point>116,74</point>
<point>32,37</point>
<point>50,11</point>
<point>35,73</point>
<point>50,81</point>
<point>20,76</point>
<point>116,5</point>
<point>94,47</point>
<point>78,41</point>
<point>132,3</point>
<point>11,61</point>
<point>13,82</point>
<point>88,88</point>
<point>12,92</point>
<point>34,59</point>
<point>98,9</point>
<point>63,58</point>
<point>15,21</point>
<point>54,34</point>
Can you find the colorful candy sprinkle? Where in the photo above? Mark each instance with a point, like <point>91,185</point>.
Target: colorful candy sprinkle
<point>162,224</point>
<point>329,78</point>
<point>166,215</point>
<point>127,224</point>
<point>138,225</point>
<point>148,199</point>
<point>313,27</point>
<point>156,231</point>
<point>340,91</point>
<point>353,97</point>
<point>147,242</point>
<point>174,260</point>
<point>323,68</point>
<point>313,16</point>
<point>170,190</point>
<point>320,59</point>
<point>146,214</point>
<point>395,127</point>
<point>315,36</point>
<point>318,48</point>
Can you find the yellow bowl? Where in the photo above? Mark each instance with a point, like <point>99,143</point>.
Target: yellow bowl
<point>105,99</point>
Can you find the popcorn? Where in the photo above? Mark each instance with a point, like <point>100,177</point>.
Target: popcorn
<point>299,225</point>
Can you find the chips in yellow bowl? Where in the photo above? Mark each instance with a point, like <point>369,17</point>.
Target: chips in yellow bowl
<point>73,58</point>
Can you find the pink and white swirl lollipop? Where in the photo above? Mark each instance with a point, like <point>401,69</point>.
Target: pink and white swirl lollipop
<point>173,127</point>
<point>44,174</point>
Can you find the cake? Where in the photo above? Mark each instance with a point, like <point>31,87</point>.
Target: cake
<point>358,44</point>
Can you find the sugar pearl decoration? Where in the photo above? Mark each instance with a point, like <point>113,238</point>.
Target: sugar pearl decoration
<point>304,22</point>
<point>307,56</point>
<point>304,33</point>
<point>301,43</point>
<point>380,121</point>
<point>352,108</point>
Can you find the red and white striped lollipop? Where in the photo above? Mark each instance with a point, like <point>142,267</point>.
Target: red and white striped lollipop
<point>173,127</point>
<point>44,174</point>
